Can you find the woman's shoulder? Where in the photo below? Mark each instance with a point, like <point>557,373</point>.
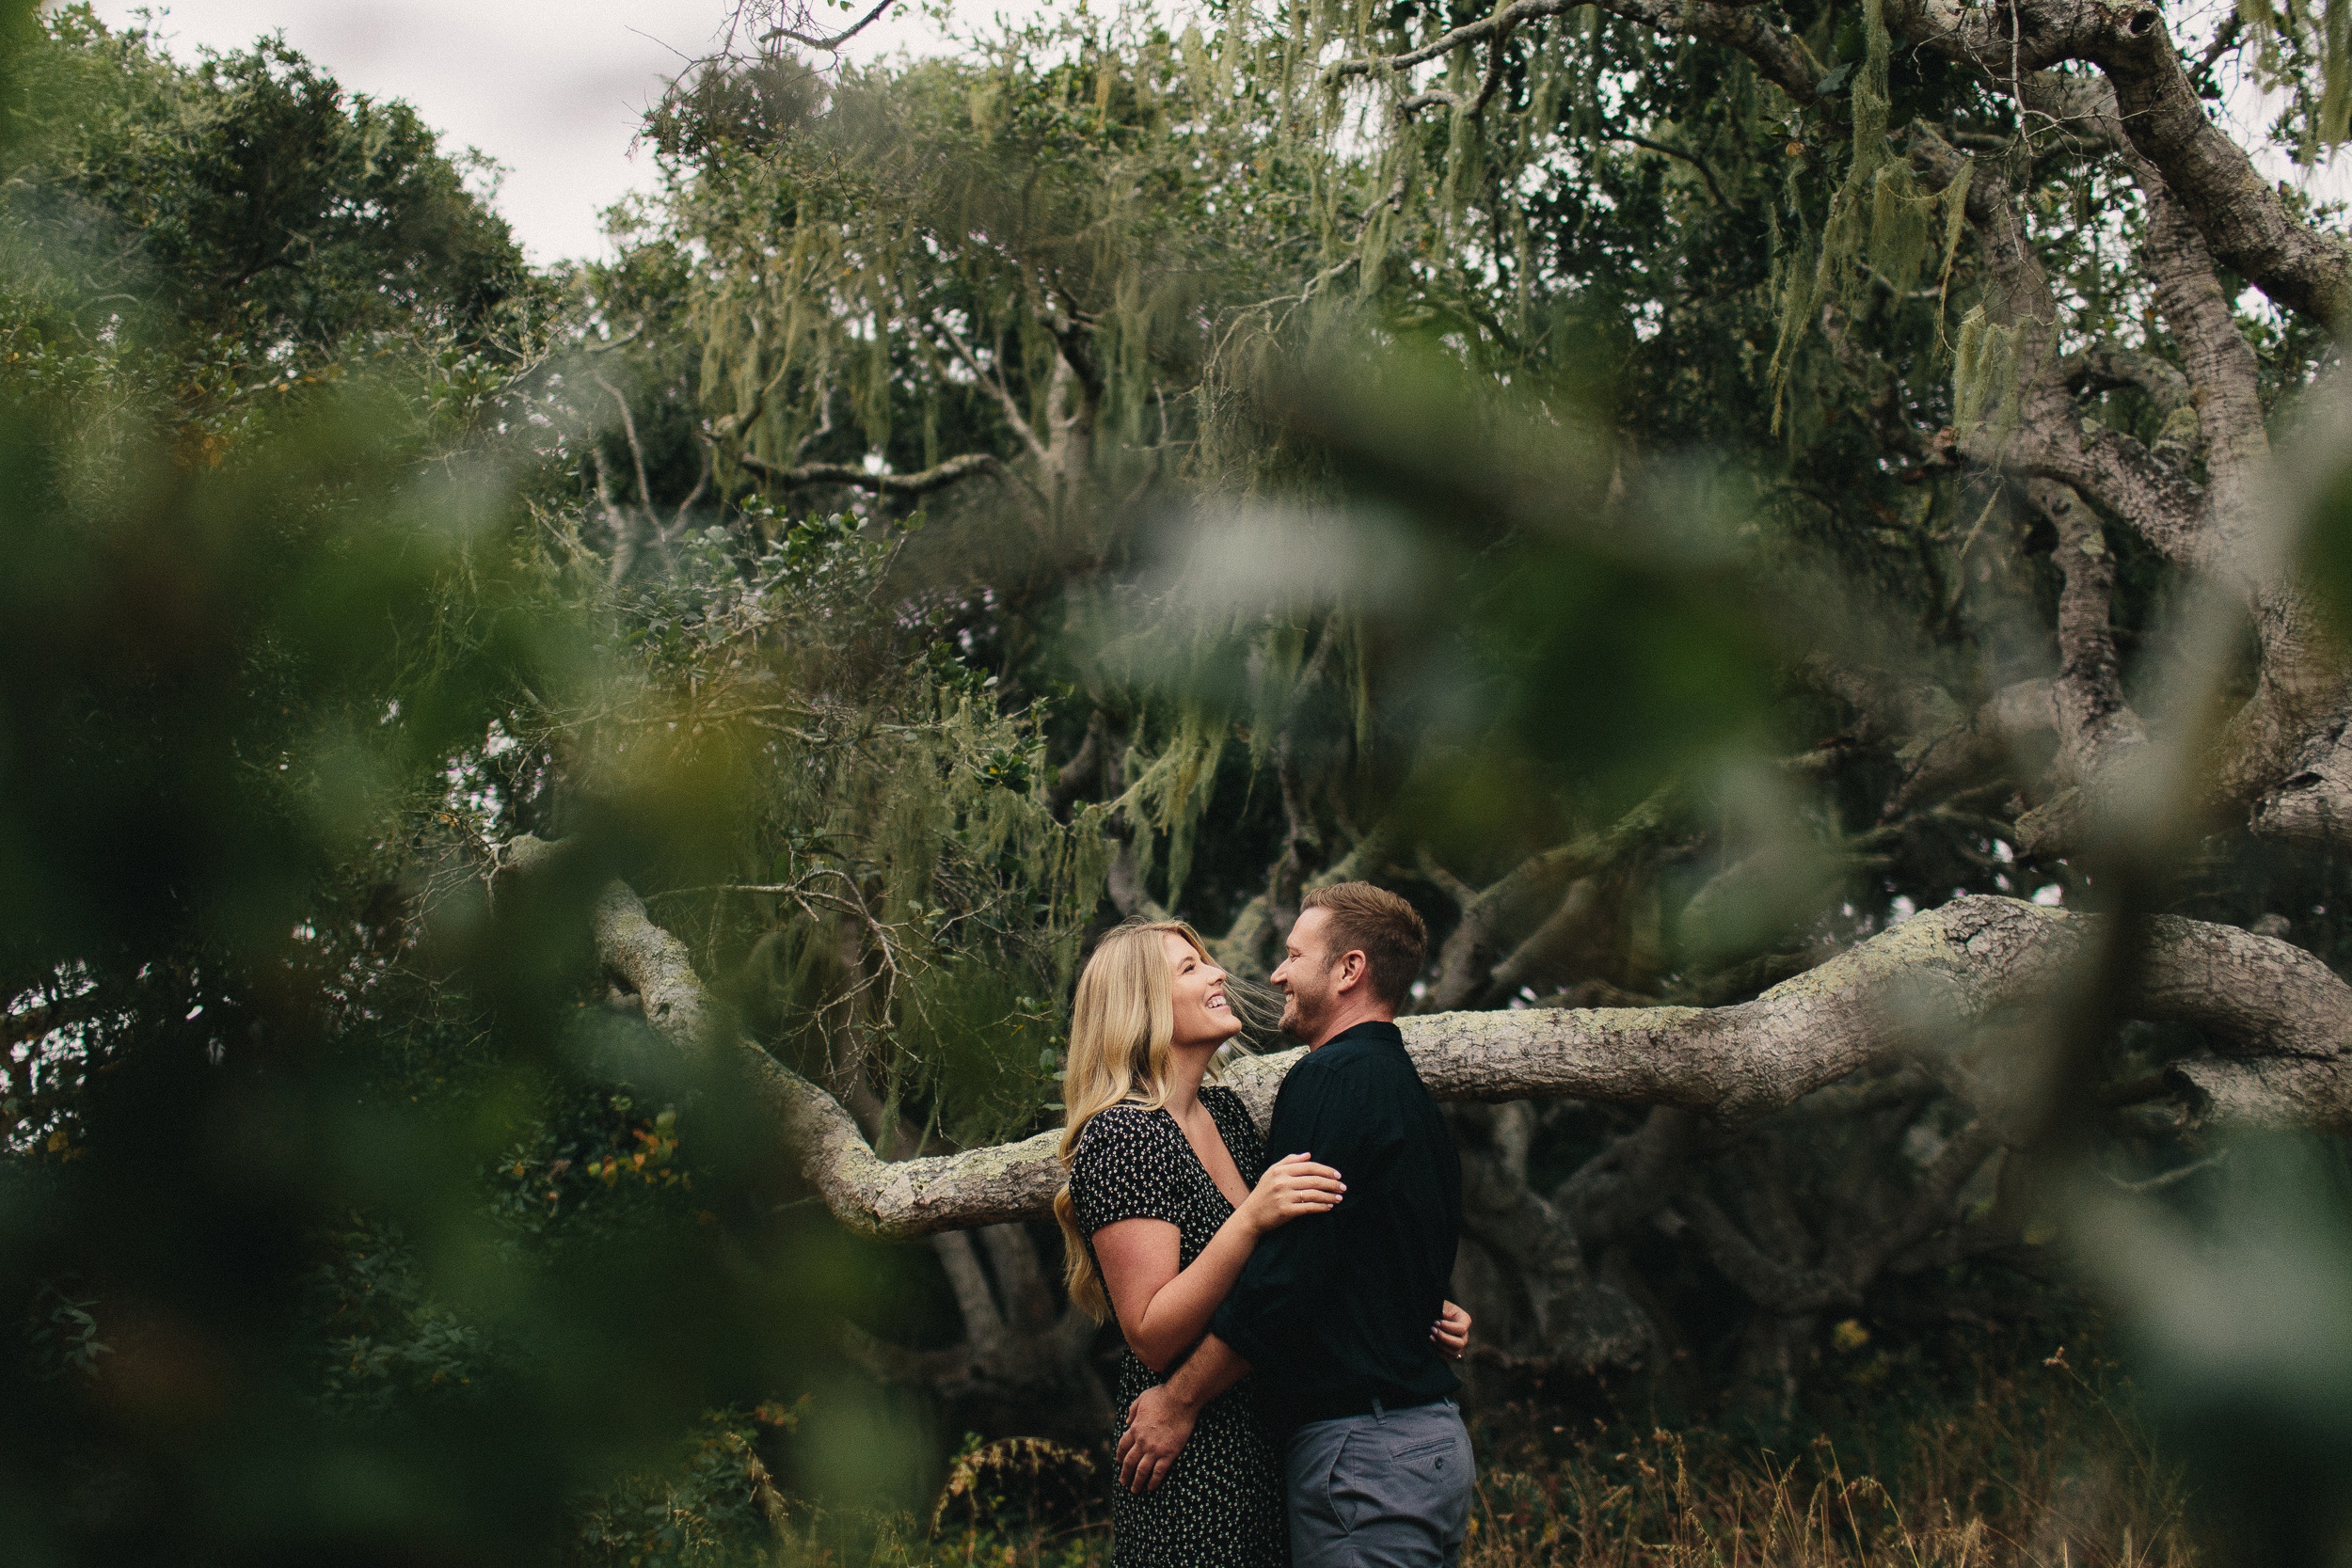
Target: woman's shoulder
<point>1122,1128</point>
<point>1124,1167</point>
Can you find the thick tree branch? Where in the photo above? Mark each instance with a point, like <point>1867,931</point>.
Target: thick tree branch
<point>2281,1018</point>
<point>2240,215</point>
<point>2087,699</point>
<point>1579,1321</point>
<point>2039,432</point>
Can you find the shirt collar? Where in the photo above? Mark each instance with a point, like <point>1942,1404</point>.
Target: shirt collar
<point>1368,1031</point>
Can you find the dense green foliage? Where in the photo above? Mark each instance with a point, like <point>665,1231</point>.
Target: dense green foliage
<point>251,198</point>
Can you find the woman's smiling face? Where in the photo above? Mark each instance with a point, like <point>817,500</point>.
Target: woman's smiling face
<point>1203,1014</point>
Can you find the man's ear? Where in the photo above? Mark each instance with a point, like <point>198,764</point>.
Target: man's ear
<point>1354,969</point>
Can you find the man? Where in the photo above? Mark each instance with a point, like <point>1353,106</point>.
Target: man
<point>1334,1310</point>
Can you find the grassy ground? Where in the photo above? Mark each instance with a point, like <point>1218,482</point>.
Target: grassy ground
<point>2023,1459</point>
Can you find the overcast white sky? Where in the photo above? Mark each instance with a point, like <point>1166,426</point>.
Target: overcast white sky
<point>552,89</point>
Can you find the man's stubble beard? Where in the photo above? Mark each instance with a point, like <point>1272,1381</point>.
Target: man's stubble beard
<point>1302,1016</point>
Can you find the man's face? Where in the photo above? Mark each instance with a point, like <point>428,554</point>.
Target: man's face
<point>1306,977</point>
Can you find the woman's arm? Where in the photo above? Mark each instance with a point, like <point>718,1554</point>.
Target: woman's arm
<point>1450,1332</point>
<point>1163,1311</point>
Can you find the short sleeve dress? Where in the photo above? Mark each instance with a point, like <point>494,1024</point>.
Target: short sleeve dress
<point>1221,1505</point>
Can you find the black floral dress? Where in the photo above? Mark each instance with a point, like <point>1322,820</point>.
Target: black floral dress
<point>1221,1505</point>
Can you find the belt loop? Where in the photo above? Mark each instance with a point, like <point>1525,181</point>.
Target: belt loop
<point>1379,1412</point>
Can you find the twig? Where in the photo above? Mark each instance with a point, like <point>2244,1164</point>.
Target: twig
<point>2157,1183</point>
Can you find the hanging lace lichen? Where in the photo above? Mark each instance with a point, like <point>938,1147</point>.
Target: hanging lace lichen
<point>1984,372</point>
<point>1882,225</point>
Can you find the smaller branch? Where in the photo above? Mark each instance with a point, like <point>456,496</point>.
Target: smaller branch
<point>893,1364</point>
<point>983,1323</point>
<point>2173,1177</point>
<point>1931,1209</point>
<point>1778,1288</point>
<point>1014,416</point>
<point>702,484</point>
<point>1629,1181</point>
<point>1445,881</point>
<point>2095,720</point>
<point>837,40</point>
<point>1496,60</point>
<point>2224,40</point>
<point>1707,171</point>
<point>1014,1261</point>
<point>1500,23</point>
<point>636,450</point>
<point>951,472</point>
<point>2103,366</point>
<point>623,525</point>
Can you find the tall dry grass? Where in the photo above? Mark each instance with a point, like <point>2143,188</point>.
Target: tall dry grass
<point>2042,1466</point>
<point>2017,1460</point>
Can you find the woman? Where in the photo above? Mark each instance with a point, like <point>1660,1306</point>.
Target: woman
<point>1168,1193</point>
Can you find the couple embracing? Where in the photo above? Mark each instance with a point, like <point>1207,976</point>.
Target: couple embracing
<point>1285,1395</point>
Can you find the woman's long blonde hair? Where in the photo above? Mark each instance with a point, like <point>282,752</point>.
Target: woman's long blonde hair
<point>1122,1026</point>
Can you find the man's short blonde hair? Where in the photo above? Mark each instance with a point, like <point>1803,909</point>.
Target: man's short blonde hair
<point>1386,930</point>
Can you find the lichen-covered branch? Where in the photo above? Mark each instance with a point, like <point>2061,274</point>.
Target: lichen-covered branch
<point>2280,1018</point>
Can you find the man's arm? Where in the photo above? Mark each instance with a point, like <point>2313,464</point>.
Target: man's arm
<point>1160,1421</point>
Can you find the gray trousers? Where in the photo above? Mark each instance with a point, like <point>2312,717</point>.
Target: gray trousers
<point>1387,1490</point>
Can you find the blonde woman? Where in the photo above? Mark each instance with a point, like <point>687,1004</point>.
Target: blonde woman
<point>1169,1194</point>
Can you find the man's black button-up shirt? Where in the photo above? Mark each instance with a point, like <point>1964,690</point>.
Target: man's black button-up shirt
<point>1334,1310</point>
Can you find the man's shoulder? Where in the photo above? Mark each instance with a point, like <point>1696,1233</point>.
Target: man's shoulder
<point>1365,1069</point>
<point>1369,1055</point>
<point>1326,1066</point>
<point>1377,1039</point>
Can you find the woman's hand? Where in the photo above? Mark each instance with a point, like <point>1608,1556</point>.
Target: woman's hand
<point>1292,1186</point>
<point>1450,1332</point>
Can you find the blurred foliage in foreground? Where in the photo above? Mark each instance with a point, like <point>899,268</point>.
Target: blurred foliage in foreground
<point>341,1230</point>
